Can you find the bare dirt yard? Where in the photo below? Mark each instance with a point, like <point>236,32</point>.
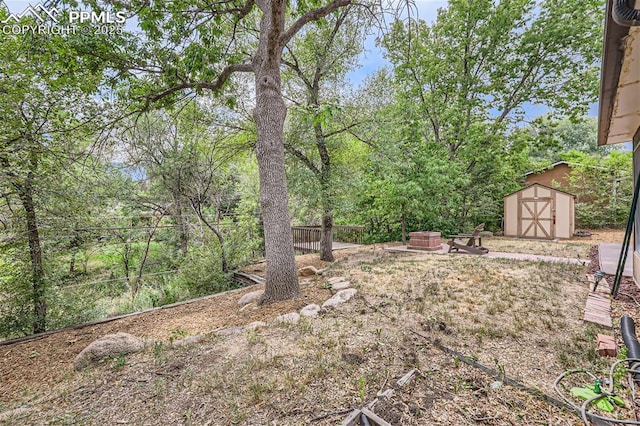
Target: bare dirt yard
<point>519,320</point>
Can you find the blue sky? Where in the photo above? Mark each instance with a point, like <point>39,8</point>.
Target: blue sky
<point>372,59</point>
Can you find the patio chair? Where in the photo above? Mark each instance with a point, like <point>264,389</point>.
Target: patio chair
<point>469,243</point>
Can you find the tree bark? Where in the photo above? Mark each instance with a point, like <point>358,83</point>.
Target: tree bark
<point>326,231</point>
<point>35,252</point>
<point>269,115</point>
<point>326,235</point>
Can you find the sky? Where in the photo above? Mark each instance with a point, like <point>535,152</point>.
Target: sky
<point>373,60</point>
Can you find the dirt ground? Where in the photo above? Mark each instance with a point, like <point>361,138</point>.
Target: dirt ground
<point>520,319</point>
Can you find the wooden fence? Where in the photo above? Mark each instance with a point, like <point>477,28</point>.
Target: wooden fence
<point>306,239</point>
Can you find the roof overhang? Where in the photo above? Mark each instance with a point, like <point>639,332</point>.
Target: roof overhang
<point>619,113</point>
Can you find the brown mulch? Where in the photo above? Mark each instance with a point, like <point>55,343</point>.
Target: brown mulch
<point>35,366</point>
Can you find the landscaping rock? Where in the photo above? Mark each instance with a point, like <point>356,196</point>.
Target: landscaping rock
<point>250,297</point>
<point>231,331</point>
<point>290,318</point>
<point>346,294</point>
<point>255,324</point>
<point>188,341</point>
<point>336,279</point>
<point>307,271</point>
<point>342,285</point>
<point>340,297</point>
<point>331,303</point>
<point>310,311</point>
<point>107,346</point>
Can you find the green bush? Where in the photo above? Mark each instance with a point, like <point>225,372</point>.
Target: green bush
<point>202,272</point>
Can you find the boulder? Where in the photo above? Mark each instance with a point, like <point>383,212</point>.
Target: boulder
<point>340,297</point>
<point>346,294</point>
<point>255,324</point>
<point>290,318</point>
<point>110,345</point>
<point>331,303</point>
<point>250,297</point>
<point>341,285</point>
<point>307,271</point>
<point>191,340</point>
<point>336,279</point>
<point>310,311</point>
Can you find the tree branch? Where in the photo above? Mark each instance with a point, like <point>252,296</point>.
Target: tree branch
<point>300,156</point>
<point>344,129</point>
<point>214,86</point>
<point>314,15</point>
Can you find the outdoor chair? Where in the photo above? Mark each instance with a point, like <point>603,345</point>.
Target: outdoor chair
<point>469,243</point>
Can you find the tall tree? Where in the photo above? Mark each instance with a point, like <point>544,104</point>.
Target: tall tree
<point>468,78</point>
<point>44,100</point>
<point>318,61</point>
<point>191,46</point>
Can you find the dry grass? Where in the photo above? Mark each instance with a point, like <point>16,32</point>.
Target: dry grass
<point>570,249</point>
<point>522,319</point>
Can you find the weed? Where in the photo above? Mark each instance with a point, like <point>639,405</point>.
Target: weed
<point>187,415</point>
<point>253,338</point>
<point>177,334</point>
<point>305,326</point>
<point>361,386</point>
<point>259,390</point>
<point>157,350</point>
<point>239,415</point>
<point>160,386</point>
<point>119,361</point>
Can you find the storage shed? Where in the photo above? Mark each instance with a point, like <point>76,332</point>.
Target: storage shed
<point>539,211</point>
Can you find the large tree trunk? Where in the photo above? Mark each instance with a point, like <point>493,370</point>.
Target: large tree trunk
<point>269,115</point>
<point>326,235</point>
<point>326,232</point>
<point>35,252</point>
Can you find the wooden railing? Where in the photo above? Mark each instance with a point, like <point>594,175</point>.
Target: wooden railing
<point>306,239</point>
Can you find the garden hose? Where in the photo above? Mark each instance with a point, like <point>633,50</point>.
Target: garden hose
<point>587,415</point>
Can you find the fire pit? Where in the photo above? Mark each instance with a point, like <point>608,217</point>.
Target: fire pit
<point>424,240</point>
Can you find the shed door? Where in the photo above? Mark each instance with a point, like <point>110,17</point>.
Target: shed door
<point>536,218</point>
